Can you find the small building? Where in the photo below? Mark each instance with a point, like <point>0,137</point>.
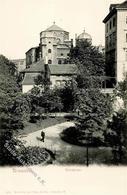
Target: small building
<point>57,75</point>
<point>29,74</point>
<point>60,75</point>
<point>116,41</point>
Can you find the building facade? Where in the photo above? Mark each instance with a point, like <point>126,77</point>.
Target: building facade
<point>116,41</point>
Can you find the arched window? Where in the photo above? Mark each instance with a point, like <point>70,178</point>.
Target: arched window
<point>59,62</point>
<point>49,50</point>
<point>49,61</point>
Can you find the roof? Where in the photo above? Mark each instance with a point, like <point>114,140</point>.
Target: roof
<point>32,48</point>
<point>63,69</point>
<point>29,79</point>
<point>35,67</point>
<point>114,8</point>
<point>54,27</point>
<point>122,5</point>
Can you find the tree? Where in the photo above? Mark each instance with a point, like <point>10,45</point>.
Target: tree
<point>93,106</point>
<point>13,106</point>
<point>67,96</point>
<point>88,59</point>
<point>121,92</point>
<point>116,136</point>
<point>44,101</point>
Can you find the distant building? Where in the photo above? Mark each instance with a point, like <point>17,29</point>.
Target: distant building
<point>116,41</point>
<point>20,64</point>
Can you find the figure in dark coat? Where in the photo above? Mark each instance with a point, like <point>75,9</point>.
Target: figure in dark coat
<point>42,136</point>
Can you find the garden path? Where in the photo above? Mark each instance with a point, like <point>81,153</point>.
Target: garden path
<point>52,140</point>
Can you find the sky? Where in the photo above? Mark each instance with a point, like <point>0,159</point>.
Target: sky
<point>21,21</point>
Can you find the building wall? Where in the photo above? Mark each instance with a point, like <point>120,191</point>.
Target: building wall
<point>58,42</point>
<point>26,88</point>
<point>121,44</point>
<point>59,81</point>
<point>32,56</point>
<point>111,46</point>
<point>116,44</point>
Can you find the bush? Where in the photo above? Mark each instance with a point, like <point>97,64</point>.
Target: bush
<point>72,135</point>
<point>33,155</point>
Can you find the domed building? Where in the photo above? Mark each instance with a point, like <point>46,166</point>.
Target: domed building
<point>83,37</point>
<point>54,47</point>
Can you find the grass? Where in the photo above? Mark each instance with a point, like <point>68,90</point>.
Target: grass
<point>41,124</point>
<point>97,155</point>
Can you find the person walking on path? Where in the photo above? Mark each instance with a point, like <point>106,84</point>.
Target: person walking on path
<point>42,136</point>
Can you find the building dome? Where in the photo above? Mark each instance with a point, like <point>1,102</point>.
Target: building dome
<point>85,35</point>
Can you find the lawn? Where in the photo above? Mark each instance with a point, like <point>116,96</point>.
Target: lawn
<point>41,124</point>
<point>77,156</point>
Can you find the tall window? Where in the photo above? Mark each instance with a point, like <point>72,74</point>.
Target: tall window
<point>126,37</point>
<point>114,22</point>
<point>126,19</point>
<point>110,24</point>
<point>49,61</point>
<point>107,28</point>
<point>49,50</point>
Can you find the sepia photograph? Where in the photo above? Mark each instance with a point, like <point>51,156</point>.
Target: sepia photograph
<point>63,95</point>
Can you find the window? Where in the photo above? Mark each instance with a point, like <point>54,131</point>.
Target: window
<point>61,54</point>
<point>110,25</point>
<point>114,22</point>
<point>107,28</point>
<point>49,42</point>
<point>59,62</point>
<point>49,50</point>
<point>49,61</point>
<point>126,37</point>
<point>126,19</point>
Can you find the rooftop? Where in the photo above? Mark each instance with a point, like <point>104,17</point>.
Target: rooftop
<point>54,27</point>
<point>35,67</point>
<point>29,78</point>
<point>63,69</point>
<point>114,8</point>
